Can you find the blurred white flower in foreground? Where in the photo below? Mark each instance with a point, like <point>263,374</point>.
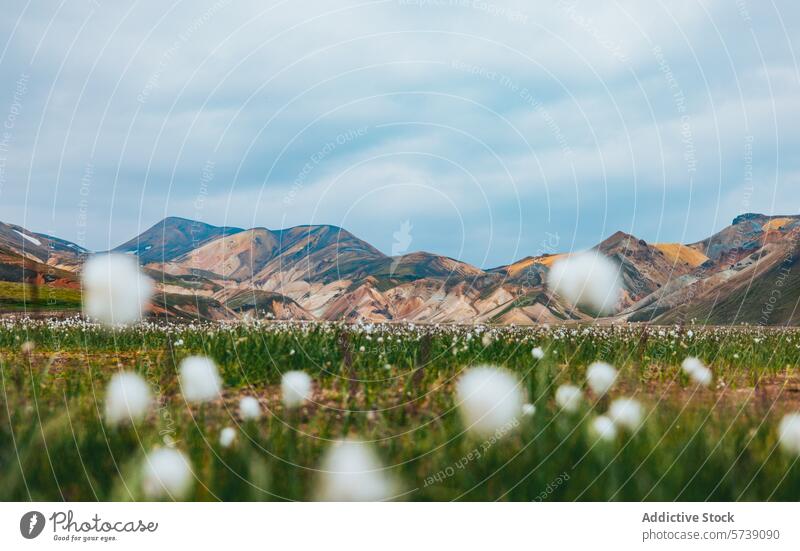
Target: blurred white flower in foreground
<point>789,433</point>
<point>115,292</point>
<point>691,364</point>
<point>569,397</point>
<point>166,473</point>
<point>537,353</point>
<point>528,409</point>
<point>600,377</point>
<point>200,380</point>
<point>587,279</point>
<point>350,471</point>
<point>296,388</point>
<point>604,428</point>
<point>626,412</point>
<point>227,436</point>
<point>702,377</point>
<point>128,398</point>
<point>249,409</point>
<point>489,399</point>
<point>697,371</point>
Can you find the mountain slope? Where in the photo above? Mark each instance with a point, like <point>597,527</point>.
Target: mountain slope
<point>762,289</point>
<point>39,247</point>
<point>645,268</point>
<point>320,253</point>
<point>237,257</point>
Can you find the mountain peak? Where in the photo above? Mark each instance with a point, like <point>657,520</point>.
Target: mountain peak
<point>755,216</point>
<point>172,237</point>
<point>620,238</point>
<point>747,217</point>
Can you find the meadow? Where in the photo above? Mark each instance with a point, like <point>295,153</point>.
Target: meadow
<point>392,386</point>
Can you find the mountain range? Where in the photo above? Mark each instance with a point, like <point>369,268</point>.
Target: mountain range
<point>746,273</point>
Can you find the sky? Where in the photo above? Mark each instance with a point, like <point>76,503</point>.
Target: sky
<point>484,130</point>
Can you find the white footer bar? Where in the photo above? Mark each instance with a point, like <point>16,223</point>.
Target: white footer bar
<point>400,526</point>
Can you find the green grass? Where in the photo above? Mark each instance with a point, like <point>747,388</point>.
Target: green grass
<point>24,296</point>
<point>696,444</point>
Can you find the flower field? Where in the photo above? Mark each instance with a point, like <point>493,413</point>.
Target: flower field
<point>397,411</point>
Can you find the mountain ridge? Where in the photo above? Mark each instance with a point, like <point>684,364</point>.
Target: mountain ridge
<point>324,272</point>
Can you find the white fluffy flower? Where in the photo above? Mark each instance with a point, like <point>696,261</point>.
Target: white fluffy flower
<point>350,471</point>
<point>115,292</point>
<point>296,388</point>
<point>200,380</point>
<point>569,397</point>
<point>128,398</point>
<point>166,473</point>
<point>489,398</point>
<point>600,377</point>
<point>249,409</point>
<point>537,353</point>
<point>697,371</point>
<point>691,364</point>
<point>702,377</point>
<point>528,409</point>
<point>603,428</point>
<point>587,279</point>
<point>626,413</point>
<point>227,436</point>
<point>789,433</point>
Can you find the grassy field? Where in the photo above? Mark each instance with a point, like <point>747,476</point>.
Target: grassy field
<point>392,386</point>
<point>20,297</point>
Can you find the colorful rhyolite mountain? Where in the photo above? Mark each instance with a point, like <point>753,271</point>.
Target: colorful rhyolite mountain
<point>747,273</point>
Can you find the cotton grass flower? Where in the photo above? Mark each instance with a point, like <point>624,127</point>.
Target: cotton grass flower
<point>569,398</point>
<point>626,413</point>
<point>489,399</point>
<point>600,377</point>
<point>697,371</point>
<point>128,398</point>
<point>587,279</point>
<point>166,473</point>
<point>603,428</point>
<point>702,377</point>
<point>528,409</point>
<point>200,380</point>
<point>295,388</point>
<point>227,437</point>
<point>350,471</point>
<point>115,291</point>
<point>249,409</point>
<point>789,433</point>
<point>537,353</point>
<point>691,364</point>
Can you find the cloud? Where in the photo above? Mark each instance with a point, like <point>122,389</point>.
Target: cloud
<point>489,124</point>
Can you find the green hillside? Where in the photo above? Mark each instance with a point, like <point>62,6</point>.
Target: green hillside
<point>16,297</point>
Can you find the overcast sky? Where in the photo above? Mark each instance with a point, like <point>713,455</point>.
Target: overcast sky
<point>497,129</point>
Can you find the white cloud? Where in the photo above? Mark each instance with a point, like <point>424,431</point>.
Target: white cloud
<point>552,108</point>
